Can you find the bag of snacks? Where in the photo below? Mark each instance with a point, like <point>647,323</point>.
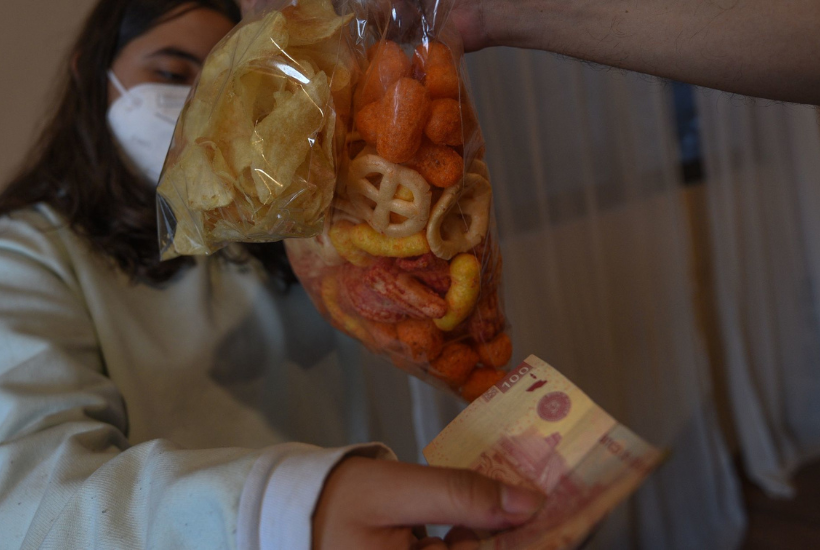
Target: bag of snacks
<point>408,262</point>
<point>254,157</point>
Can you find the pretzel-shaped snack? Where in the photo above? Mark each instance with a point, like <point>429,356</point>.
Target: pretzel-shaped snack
<point>460,218</point>
<point>362,193</point>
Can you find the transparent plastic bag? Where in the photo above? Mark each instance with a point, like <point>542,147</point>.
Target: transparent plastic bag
<point>254,152</point>
<point>408,262</point>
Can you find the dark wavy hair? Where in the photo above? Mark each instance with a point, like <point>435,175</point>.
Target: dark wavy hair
<point>76,169</point>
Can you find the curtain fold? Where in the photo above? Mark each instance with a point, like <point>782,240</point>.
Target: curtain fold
<point>598,275</point>
<point>763,191</point>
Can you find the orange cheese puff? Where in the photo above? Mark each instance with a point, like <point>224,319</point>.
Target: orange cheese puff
<point>405,109</point>
<point>430,54</point>
<point>368,120</point>
<point>433,64</point>
<point>481,380</point>
<point>455,364</point>
<point>384,334</point>
<point>438,164</point>
<point>496,353</point>
<point>486,321</point>
<point>442,81</point>
<point>423,338</point>
<point>387,65</point>
<point>444,126</point>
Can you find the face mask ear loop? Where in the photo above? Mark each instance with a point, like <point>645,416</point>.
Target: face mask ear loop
<point>121,89</point>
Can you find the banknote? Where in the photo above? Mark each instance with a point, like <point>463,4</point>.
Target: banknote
<point>537,429</point>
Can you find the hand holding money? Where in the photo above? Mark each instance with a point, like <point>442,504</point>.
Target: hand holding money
<point>536,429</point>
<point>368,503</point>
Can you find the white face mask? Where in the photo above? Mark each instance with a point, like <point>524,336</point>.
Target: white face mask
<point>142,120</point>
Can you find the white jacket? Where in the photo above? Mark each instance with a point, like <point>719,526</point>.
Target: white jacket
<point>142,417</point>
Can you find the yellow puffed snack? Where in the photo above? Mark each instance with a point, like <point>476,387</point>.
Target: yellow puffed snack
<point>347,323</point>
<point>465,277</point>
<point>340,237</point>
<point>374,243</point>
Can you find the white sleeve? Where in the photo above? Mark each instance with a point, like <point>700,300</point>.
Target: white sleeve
<point>282,491</point>
<point>69,479</point>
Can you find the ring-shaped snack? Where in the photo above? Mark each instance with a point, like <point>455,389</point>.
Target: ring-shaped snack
<point>372,190</point>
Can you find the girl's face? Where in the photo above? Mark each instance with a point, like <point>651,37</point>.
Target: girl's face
<point>172,52</point>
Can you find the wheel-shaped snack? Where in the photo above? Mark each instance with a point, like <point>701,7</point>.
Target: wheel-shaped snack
<point>460,218</point>
<point>377,188</point>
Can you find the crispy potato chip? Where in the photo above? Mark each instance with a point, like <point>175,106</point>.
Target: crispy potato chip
<point>200,163</point>
<point>231,128</point>
<point>311,21</point>
<point>327,135</point>
<point>330,58</point>
<point>253,158</point>
<point>284,137</point>
<point>261,39</point>
<point>256,88</point>
<point>188,231</point>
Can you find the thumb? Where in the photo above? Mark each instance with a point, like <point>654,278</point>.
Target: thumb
<point>443,496</point>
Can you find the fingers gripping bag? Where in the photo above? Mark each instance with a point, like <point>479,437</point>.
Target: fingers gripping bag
<point>408,262</point>
<point>254,152</point>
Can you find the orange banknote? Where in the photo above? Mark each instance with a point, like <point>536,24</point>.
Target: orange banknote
<point>537,429</point>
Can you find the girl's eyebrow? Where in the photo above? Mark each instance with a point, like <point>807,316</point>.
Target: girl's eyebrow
<point>176,52</point>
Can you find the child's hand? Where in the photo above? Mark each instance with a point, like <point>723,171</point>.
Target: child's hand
<point>369,503</point>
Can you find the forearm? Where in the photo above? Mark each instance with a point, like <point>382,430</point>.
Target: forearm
<point>762,48</point>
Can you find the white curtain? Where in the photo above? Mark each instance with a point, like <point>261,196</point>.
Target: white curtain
<point>763,189</point>
<point>598,278</point>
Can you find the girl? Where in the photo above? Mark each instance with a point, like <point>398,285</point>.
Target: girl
<point>148,404</point>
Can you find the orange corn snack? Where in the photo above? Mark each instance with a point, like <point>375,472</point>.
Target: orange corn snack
<point>384,334</point>
<point>454,364</point>
<point>388,63</point>
<point>438,164</point>
<point>430,54</point>
<point>433,63</point>
<point>497,352</point>
<point>424,339</point>
<point>486,321</point>
<point>368,121</point>
<point>481,380</point>
<point>404,115</point>
<point>442,81</point>
<point>444,125</point>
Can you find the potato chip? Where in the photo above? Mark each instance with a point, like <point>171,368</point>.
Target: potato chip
<point>260,39</point>
<point>187,234</point>
<point>254,157</point>
<point>312,21</point>
<point>256,88</point>
<point>285,136</point>
<point>232,127</point>
<point>331,59</point>
<point>327,134</point>
<point>200,164</point>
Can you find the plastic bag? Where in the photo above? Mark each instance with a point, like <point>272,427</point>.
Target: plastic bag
<point>253,157</point>
<point>408,263</point>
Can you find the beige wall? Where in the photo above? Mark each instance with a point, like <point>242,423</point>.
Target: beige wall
<point>34,37</point>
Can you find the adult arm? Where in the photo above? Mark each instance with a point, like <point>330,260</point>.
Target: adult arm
<point>762,48</point>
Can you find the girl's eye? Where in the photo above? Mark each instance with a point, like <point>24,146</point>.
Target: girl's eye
<point>172,77</point>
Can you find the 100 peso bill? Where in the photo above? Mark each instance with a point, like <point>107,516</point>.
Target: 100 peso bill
<point>536,429</point>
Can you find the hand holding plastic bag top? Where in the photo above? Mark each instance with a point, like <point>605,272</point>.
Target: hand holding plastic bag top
<point>253,157</point>
<point>408,263</point>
